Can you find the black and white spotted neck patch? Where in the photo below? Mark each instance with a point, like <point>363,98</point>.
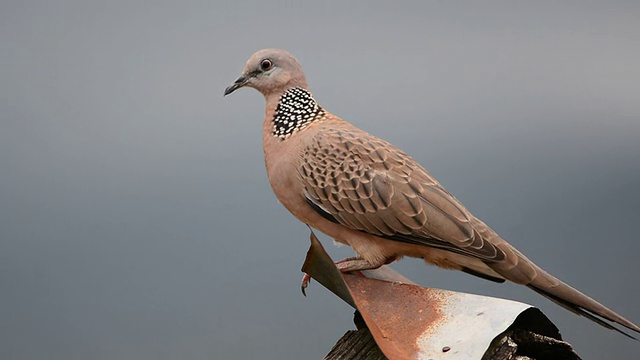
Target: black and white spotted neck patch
<point>296,109</point>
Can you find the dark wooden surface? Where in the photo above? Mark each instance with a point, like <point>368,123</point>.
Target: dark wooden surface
<point>356,345</point>
<point>514,344</point>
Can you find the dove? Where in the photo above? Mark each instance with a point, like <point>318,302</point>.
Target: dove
<point>364,192</point>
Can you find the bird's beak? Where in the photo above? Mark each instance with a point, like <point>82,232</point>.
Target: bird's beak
<point>240,82</point>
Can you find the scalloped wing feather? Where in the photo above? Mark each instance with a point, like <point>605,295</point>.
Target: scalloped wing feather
<point>369,185</point>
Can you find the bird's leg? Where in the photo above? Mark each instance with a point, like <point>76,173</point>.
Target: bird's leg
<point>346,265</point>
<point>357,264</point>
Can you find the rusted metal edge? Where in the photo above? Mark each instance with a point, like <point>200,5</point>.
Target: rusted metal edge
<point>412,322</point>
<point>319,265</point>
<point>321,268</point>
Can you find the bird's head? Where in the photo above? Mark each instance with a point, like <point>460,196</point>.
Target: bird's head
<point>270,71</point>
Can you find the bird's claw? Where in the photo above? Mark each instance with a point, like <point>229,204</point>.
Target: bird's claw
<point>306,279</point>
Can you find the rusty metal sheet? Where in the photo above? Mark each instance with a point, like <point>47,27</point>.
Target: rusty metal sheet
<point>412,322</point>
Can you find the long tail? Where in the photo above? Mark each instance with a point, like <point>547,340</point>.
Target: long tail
<point>518,268</point>
<point>577,302</point>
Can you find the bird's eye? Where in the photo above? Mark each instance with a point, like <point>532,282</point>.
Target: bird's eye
<point>266,64</point>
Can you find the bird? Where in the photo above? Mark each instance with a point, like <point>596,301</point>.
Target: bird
<point>366,193</point>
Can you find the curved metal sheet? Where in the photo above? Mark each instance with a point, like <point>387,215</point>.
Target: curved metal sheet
<point>412,322</point>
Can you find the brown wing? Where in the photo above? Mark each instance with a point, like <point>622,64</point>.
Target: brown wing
<point>367,184</point>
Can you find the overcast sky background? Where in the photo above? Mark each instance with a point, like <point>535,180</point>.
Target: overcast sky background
<point>136,220</point>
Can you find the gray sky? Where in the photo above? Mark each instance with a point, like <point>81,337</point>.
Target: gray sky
<point>136,220</point>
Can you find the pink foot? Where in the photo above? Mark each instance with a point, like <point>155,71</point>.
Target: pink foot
<point>356,264</point>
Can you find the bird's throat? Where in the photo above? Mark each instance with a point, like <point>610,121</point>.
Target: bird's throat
<point>296,110</point>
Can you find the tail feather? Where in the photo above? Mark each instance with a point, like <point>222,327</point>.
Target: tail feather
<point>578,310</point>
<point>519,269</point>
<point>579,303</point>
